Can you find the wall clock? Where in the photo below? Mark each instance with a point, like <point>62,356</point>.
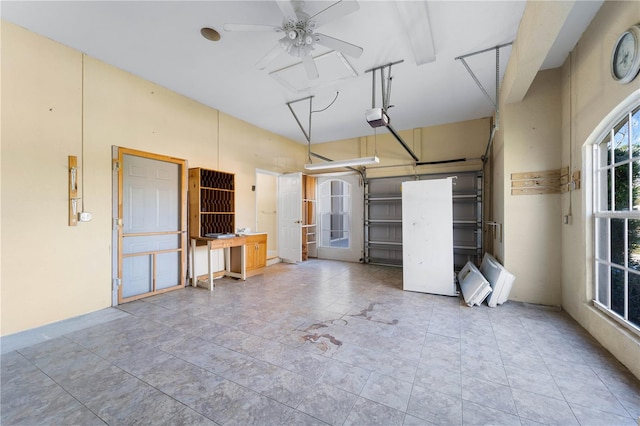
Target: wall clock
<point>625,57</point>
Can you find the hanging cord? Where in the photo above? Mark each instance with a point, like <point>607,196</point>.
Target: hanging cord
<point>311,112</point>
<point>497,76</point>
<point>375,141</point>
<point>323,109</point>
<point>82,136</point>
<point>570,129</point>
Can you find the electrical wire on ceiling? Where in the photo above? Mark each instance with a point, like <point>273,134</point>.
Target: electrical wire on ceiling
<point>327,107</point>
<point>307,134</point>
<point>311,112</point>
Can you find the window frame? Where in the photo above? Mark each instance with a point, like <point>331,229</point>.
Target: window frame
<point>604,212</point>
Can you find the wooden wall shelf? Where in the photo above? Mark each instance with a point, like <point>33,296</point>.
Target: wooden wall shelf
<point>211,202</point>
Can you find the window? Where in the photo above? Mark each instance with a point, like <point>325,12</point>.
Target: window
<point>616,183</point>
<point>335,213</point>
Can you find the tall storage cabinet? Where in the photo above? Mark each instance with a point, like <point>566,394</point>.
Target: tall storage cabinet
<point>211,202</point>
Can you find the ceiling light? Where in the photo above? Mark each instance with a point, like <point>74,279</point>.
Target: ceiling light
<point>210,34</point>
<point>364,161</point>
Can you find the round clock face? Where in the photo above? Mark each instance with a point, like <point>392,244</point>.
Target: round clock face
<point>625,58</point>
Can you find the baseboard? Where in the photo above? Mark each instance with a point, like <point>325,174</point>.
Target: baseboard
<point>273,260</point>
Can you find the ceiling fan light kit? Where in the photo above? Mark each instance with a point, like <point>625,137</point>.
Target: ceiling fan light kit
<point>299,38</point>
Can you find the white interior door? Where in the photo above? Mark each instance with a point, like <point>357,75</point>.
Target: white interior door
<point>152,224</point>
<point>290,217</point>
<point>427,237</point>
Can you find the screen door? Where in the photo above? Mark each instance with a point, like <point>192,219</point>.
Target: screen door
<point>151,224</point>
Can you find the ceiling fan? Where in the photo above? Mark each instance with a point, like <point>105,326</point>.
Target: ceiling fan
<point>299,33</point>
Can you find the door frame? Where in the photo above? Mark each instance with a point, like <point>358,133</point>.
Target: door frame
<point>117,234</point>
<point>355,252</point>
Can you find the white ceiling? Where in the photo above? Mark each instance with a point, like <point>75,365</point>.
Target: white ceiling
<point>161,42</point>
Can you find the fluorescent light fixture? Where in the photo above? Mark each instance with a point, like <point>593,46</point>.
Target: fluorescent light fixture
<point>343,163</point>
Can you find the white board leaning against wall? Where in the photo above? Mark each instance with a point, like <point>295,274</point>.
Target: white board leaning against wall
<point>427,237</point>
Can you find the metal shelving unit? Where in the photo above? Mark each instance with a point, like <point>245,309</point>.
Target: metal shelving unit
<point>383,218</point>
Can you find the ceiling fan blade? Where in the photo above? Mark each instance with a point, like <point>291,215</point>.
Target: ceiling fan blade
<point>287,10</point>
<point>335,11</point>
<point>339,45</point>
<point>310,67</point>
<point>270,56</point>
<point>251,27</point>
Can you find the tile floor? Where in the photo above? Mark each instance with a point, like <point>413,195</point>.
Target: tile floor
<point>319,343</point>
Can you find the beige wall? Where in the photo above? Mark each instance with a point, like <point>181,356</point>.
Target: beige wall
<point>51,271</point>
<point>467,139</point>
<point>588,95</point>
<point>532,135</point>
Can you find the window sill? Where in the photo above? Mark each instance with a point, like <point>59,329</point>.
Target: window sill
<point>616,320</point>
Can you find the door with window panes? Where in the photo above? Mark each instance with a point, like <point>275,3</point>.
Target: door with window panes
<point>340,217</point>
